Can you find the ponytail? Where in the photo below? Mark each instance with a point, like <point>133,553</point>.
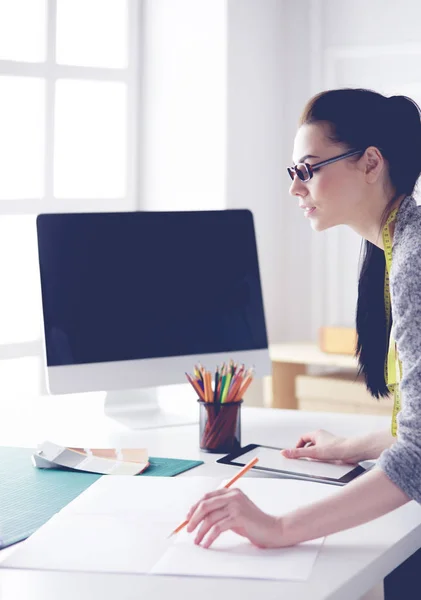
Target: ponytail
<point>372,342</point>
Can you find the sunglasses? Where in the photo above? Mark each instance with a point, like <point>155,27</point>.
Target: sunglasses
<point>304,171</point>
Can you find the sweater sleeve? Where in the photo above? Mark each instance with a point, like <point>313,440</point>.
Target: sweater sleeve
<point>402,461</point>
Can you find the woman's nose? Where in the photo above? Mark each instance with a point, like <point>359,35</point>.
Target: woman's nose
<point>297,187</point>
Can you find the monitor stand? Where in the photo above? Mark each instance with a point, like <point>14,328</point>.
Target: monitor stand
<point>140,409</point>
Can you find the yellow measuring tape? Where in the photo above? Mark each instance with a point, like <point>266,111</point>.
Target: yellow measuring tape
<point>393,366</point>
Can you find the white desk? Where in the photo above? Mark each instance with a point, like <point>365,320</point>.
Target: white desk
<point>349,564</point>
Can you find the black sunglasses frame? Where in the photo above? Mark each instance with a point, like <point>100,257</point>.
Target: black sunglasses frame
<point>310,169</point>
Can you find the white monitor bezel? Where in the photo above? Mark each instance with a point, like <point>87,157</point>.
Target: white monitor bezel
<point>146,373</point>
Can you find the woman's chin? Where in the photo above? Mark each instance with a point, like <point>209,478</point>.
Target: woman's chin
<point>318,224</point>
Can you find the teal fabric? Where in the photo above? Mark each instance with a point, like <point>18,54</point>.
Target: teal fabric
<point>29,497</point>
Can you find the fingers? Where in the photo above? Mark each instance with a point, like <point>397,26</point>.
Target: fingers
<point>217,529</point>
<point>306,441</point>
<point>208,522</point>
<point>308,452</point>
<point>307,438</point>
<point>209,503</point>
<point>207,496</point>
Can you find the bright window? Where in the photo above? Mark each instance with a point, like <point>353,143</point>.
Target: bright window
<point>68,122</point>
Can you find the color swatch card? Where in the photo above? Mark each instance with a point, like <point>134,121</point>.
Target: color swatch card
<point>122,524</point>
<point>105,461</point>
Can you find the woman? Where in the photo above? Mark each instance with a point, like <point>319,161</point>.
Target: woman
<point>358,157</point>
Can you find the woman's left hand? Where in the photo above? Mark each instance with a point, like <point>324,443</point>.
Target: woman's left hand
<point>225,509</point>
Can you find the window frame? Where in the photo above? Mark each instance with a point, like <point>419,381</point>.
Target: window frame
<point>50,71</point>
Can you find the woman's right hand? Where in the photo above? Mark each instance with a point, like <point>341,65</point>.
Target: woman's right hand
<point>322,445</point>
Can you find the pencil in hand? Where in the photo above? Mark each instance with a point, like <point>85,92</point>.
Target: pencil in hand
<point>231,482</point>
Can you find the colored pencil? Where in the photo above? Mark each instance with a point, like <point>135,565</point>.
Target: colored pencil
<point>209,385</point>
<point>231,381</point>
<point>236,384</point>
<point>196,386</point>
<point>215,393</point>
<point>246,383</point>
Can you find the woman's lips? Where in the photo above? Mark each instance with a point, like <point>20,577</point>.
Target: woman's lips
<point>308,210</point>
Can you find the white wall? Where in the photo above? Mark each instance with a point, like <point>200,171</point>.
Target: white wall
<point>260,95</point>
<point>183,105</point>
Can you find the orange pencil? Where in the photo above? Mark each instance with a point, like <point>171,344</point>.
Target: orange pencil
<point>210,386</point>
<point>231,482</point>
<point>196,386</point>
<point>206,386</point>
<point>234,389</point>
<point>245,386</point>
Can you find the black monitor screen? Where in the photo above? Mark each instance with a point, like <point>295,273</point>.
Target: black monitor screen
<point>122,286</point>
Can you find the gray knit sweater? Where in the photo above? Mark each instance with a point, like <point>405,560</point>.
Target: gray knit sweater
<point>402,461</point>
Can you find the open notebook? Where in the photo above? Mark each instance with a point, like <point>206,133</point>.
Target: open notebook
<point>121,524</point>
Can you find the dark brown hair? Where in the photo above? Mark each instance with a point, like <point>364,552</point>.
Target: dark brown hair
<point>359,118</point>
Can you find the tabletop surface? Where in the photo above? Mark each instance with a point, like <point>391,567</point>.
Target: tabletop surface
<point>349,563</point>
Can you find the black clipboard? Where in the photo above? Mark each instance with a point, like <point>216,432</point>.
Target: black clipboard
<point>235,459</point>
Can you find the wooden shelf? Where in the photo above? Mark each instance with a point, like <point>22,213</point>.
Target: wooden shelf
<point>309,354</point>
<point>294,388</point>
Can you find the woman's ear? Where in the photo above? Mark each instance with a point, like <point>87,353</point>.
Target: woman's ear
<point>373,164</point>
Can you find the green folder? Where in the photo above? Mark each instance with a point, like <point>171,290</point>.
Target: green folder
<point>29,497</point>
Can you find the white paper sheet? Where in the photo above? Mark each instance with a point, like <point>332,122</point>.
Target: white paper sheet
<point>95,543</point>
<point>233,556</point>
<point>121,525</point>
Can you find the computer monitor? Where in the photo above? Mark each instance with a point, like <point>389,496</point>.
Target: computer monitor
<point>132,300</point>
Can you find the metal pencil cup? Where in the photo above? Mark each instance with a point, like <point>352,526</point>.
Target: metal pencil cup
<point>220,426</point>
